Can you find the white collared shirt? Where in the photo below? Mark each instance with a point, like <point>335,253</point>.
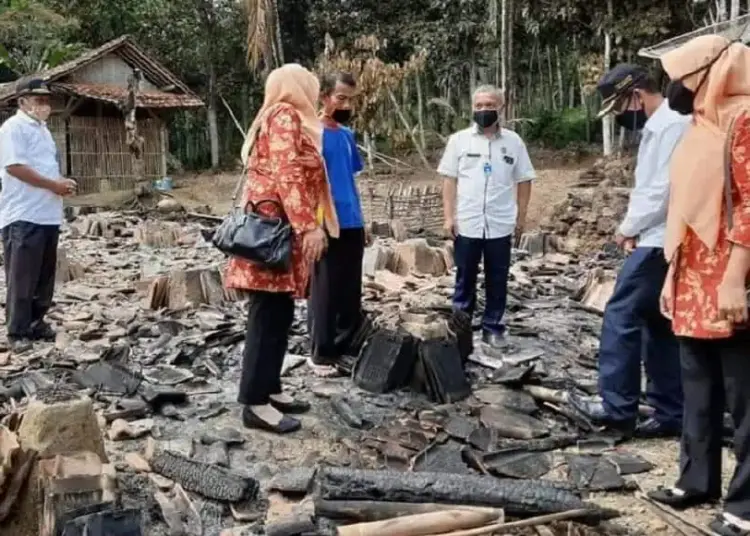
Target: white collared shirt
<point>487,171</point>
<point>646,217</point>
<point>26,141</point>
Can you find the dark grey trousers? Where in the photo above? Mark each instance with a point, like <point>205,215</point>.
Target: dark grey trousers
<point>716,373</point>
<point>334,310</point>
<point>30,252</point>
<point>269,318</point>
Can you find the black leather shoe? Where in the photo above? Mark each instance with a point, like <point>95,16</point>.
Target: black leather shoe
<point>287,425</point>
<point>41,331</point>
<point>493,339</point>
<point>679,502</point>
<point>653,429</point>
<point>294,407</point>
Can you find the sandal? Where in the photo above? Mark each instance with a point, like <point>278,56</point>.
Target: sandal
<point>721,526</point>
<point>323,371</point>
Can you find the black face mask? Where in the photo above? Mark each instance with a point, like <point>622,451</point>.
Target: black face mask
<point>631,119</point>
<point>342,116</point>
<point>680,98</point>
<point>486,118</point>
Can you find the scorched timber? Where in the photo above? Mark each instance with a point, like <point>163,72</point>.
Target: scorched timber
<point>517,497</point>
<point>207,480</point>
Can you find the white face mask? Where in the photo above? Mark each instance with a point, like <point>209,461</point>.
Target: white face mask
<point>40,112</point>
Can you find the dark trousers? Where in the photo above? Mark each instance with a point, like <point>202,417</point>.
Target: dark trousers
<point>269,319</point>
<point>468,253</point>
<point>30,252</point>
<point>334,310</point>
<point>634,329</point>
<point>716,372</point>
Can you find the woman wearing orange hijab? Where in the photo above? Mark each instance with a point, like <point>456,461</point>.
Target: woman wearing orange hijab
<point>708,246</point>
<point>282,153</point>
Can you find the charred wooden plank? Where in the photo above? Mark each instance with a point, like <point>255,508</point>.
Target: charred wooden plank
<point>517,497</point>
<point>204,479</point>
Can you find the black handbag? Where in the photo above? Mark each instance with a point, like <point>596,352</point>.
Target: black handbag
<point>264,240</point>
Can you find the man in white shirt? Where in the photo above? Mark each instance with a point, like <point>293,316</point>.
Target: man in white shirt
<point>31,212</point>
<point>486,191</point>
<point>633,328</point>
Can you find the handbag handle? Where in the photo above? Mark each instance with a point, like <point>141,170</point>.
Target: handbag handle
<point>254,207</point>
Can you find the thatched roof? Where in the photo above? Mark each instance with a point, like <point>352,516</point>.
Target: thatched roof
<point>173,92</point>
<point>738,28</point>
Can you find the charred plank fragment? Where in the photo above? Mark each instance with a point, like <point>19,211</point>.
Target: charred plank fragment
<point>209,481</point>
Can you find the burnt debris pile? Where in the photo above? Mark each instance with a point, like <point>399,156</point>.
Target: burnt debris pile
<point>128,423</point>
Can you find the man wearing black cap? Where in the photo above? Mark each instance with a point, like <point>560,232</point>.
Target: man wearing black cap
<point>633,327</point>
<point>31,212</point>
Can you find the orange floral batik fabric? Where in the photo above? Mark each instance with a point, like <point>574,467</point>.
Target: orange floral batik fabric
<point>698,270</point>
<point>287,168</point>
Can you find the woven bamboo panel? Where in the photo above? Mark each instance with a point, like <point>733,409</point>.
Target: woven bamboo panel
<point>418,207</point>
<point>92,151</point>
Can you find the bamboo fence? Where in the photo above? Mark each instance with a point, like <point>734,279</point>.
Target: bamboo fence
<point>418,207</point>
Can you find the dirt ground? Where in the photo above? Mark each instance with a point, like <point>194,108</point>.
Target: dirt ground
<point>197,192</point>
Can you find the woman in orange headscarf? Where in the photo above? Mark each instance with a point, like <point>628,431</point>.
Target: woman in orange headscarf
<point>708,246</point>
<point>283,156</point>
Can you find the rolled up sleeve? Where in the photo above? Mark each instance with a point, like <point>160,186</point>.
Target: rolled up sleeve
<point>524,169</point>
<point>740,232</point>
<point>448,166</point>
<point>13,147</point>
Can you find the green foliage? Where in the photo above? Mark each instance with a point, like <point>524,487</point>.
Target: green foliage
<point>557,129</point>
<point>34,37</point>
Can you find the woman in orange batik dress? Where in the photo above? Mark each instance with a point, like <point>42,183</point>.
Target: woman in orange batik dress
<point>284,165</point>
<point>708,244</point>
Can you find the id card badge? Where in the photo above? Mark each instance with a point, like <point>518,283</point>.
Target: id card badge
<point>487,170</point>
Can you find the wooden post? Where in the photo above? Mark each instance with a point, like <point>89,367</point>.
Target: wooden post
<point>133,139</point>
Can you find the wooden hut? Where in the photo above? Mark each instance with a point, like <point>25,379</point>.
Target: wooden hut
<point>87,118</point>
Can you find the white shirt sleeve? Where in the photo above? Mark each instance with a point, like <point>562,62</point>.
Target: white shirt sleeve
<point>523,171</point>
<point>449,162</point>
<point>649,201</point>
<point>13,147</point>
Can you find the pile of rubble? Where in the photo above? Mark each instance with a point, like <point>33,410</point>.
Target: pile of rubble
<point>130,417</point>
<point>594,207</point>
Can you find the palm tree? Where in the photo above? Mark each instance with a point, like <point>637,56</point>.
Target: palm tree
<point>264,48</point>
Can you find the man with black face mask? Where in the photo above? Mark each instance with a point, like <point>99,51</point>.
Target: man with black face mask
<point>335,307</point>
<point>633,328</point>
<point>486,191</point>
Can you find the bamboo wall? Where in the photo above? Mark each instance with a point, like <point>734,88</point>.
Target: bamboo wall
<point>419,207</point>
<point>92,151</point>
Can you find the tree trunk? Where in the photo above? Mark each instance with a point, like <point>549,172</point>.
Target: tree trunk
<point>420,110</point>
<point>509,86</point>
<point>213,122</point>
<point>723,11</point>
<point>734,11</point>
<point>560,88</point>
<point>607,130</point>
<point>503,82</point>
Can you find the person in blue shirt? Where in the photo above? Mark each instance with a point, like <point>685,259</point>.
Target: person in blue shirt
<point>335,305</point>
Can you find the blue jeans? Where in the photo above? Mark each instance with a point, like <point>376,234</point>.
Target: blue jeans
<point>468,254</point>
<point>634,328</point>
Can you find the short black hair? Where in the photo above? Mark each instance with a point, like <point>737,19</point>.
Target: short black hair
<point>648,84</point>
<point>328,82</point>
